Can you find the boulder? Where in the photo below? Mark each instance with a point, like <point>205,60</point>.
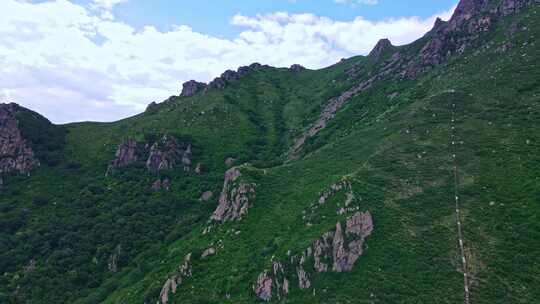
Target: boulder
<point>206,196</point>
<point>208,252</point>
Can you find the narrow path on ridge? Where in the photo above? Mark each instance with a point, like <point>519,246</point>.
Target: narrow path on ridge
<point>459,223</point>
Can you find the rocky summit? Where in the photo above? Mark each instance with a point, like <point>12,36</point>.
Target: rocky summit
<point>409,175</point>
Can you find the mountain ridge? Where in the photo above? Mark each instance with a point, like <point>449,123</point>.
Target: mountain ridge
<point>356,204</point>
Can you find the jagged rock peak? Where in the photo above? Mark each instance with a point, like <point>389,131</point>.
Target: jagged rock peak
<point>126,154</point>
<point>163,154</point>
<point>192,87</point>
<point>166,153</point>
<point>235,198</point>
<point>381,48</point>
<point>232,76</point>
<point>16,155</point>
<point>297,68</point>
<point>171,284</point>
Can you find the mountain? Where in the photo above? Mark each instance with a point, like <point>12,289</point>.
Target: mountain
<point>410,175</point>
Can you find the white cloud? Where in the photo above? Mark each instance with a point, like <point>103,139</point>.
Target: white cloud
<point>71,63</point>
<point>107,4</point>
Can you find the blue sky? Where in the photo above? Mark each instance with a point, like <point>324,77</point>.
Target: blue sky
<point>76,60</point>
<point>213,16</point>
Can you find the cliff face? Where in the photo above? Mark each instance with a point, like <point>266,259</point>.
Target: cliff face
<point>16,155</point>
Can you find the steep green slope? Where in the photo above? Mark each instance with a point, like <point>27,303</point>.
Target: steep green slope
<point>405,147</point>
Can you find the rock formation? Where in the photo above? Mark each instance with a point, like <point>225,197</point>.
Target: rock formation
<point>382,47</point>
<point>335,251</point>
<point>206,196</point>
<point>112,264</point>
<point>16,155</point>
<point>230,76</point>
<point>126,154</point>
<point>271,283</point>
<point>208,252</point>
<point>164,154</point>
<point>172,283</point>
<point>297,68</point>
<point>342,250</point>
<point>234,200</point>
<point>192,87</point>
<point>160,184</point>
<point>462,32</point>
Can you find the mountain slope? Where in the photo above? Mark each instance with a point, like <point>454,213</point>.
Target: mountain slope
<point>393,138</point>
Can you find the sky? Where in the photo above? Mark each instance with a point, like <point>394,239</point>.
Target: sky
<point>104,60</point>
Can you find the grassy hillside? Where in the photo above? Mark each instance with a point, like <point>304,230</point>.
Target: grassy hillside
<point>398,144</point>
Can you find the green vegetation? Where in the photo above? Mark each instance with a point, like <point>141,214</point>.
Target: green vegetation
<point>393,142</point>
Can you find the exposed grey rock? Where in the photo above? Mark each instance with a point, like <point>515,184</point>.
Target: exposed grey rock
<point>192,87</point>
<point>152,106</point>
<point>321,252</point>
<point>208,252</point>
<point>381,48</point>
<point>199,169</point>
<point>31,266</point>
<point>263,287</point>
<point>271,283</point>
<point>303,278</point>
<point>231,76</point>
<point>112,264</point>
<point>235,197</point>
<point>126,154</point>
<point>461,32</point>
<point>16,155</point>
<point>230,161</point>
<point>172,283</point>
<point>160,184</point>
<point>166,154</point>
<point>206,196</point>
<point>297,68</point>
<point>342,249</point>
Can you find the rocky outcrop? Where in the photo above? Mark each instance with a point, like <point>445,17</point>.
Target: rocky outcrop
<point>231,76</point>
<point>206,196</point>
<point>161,184</point>
<point>335,251</point>
<point>235,197</point>
<point>126,154</point>
<point>112,264</point>
<point>303,278</point>
<point>208,252</point>
<point>326,115</point>
<point>296,68</point>
<point>342,249</point>
<point>270,283</point>
<point>172,283</point>
<point>191,88</point>
<point>16,155</point>
<point>462,32</point>
<point>229,162</point>
<point>168,153</point>
<point>470,19</point>
<point>384,46</point>
<point>199,169</point>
